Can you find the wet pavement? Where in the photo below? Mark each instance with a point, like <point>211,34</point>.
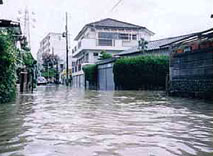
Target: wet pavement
<point>60,121</point>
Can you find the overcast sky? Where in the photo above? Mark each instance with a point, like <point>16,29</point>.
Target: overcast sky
<point>164,17</point>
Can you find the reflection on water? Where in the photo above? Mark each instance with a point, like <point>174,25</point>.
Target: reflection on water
<point>59,121</point>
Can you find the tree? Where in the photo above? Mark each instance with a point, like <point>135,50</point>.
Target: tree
<point>49,60</point>
<point>8,53</point>
<point>142,44</point>
<point>105,55</point>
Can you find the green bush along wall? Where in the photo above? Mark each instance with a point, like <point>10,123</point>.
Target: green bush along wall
<point>142,72</point>
<point>91,74</point>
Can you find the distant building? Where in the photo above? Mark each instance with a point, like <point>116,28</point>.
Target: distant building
<point>110,35</point>
<point>55,44</point>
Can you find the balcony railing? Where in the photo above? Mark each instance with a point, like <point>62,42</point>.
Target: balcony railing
<point>105,42</point>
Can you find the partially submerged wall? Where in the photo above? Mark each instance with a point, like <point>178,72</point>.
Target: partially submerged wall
<point>191,74</point>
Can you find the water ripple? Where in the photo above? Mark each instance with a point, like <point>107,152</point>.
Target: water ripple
<point>62,121</point>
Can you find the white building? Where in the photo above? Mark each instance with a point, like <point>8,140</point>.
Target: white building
<point>110,35</point>
<point>55,44</point>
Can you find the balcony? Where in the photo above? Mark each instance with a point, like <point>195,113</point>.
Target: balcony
<point>103,44</point>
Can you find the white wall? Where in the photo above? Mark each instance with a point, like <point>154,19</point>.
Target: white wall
<point>58,45</point>
<point>119,45</point>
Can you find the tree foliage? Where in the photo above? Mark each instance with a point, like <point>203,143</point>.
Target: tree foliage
<point>104,55</point>
<point>8,55</point>
<point>49,73</point>
<point>142,45</point>
<point>142,72</point>
<point>28,59</point>
<point>49,60</point>
<point>91,72</point>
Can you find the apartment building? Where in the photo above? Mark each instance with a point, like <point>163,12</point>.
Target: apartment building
<point>108,35</point>
<point>52,43</point>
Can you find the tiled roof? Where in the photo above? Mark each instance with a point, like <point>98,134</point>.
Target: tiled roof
<point>112,23</point>
<point>152,45</point>
<point>108,22</point>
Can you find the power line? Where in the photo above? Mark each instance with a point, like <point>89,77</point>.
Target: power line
<point>113,8</point>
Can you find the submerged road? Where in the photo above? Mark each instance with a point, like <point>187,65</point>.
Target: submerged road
<point>59,121</point>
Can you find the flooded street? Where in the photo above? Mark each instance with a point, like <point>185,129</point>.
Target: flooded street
<point>59,121</point>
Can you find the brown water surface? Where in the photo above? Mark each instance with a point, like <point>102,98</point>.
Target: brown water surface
<point>59,121</point>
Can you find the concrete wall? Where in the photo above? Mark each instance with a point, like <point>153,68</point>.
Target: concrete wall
<point>191,73</point>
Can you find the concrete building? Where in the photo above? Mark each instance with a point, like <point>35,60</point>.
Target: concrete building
<point>55,44</point>
<point>110,35</point>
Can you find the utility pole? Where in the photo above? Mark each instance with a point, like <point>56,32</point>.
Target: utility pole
<point>27,19</point>
<point>67,50</point>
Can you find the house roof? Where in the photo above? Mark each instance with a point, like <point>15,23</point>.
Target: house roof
<point>105,61</point>
<point>192,37</point>
<point>108,22</point>
<point>8,23</point>
<point>111,23</point>
<point>154,45</point>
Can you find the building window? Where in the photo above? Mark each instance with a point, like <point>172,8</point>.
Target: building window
<point>92,29</point>
<point>73,64</point>
<point>134,37</point>
<point>79,44</point>
<point>124,36</point>
<point>95,54</point>
<point>87,58</point>
<point>105,42</point>
<point>79,67</point>
<point>107,35</point>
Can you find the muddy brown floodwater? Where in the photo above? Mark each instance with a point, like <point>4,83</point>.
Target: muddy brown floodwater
<point>59,121</point>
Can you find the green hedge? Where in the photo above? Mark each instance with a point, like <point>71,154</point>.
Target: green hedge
<point>142,72</point>
<point>7,68</point>
<point>91,72</point>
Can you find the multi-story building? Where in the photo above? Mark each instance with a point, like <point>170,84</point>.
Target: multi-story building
<point>109,35</point>
<point>55,44</point>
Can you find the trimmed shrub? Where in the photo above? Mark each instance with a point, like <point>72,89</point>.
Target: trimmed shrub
<point>7,68</point>
<point>91,72</point>
<point>105,55</point>
<point>141,72</point>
